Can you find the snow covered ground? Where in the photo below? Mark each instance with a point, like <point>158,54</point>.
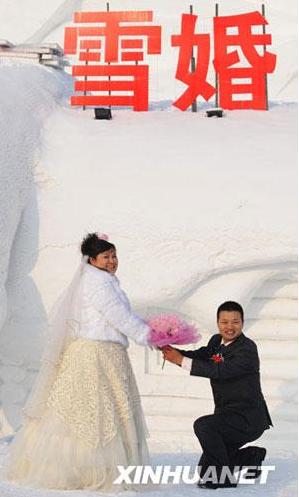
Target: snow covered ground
<point>281,483</point>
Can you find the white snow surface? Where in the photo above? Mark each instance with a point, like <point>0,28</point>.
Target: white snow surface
<point>201,210</point>
<point>281,482</point>
<point>170,186</point>
<point>28,96</point>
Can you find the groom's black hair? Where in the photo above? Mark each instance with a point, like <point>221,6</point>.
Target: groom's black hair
<point>230,306</point>
<point>92,245</point>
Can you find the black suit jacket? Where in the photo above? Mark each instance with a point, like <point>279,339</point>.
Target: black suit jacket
<point>235,382</point>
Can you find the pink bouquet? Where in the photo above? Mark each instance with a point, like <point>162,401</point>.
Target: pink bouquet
<point>169,329</point>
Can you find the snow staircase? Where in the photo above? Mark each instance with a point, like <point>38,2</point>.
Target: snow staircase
<point>173,401</point>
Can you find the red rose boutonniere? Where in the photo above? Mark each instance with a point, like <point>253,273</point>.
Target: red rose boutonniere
<point>217,358</point>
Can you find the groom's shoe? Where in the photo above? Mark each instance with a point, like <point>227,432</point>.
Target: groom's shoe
<point>214,486</point>
<point>258,455</point>
<point>207,486</point>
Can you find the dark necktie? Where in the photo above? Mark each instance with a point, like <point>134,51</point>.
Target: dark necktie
<point>221,349</point>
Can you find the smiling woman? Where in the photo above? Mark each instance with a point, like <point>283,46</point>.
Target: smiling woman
<point>86,395</point>
<point>106,259</point>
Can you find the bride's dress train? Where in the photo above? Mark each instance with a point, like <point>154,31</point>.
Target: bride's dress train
<point>93,422</point>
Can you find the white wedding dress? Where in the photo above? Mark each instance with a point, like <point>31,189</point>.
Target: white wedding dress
<point>85,417</point>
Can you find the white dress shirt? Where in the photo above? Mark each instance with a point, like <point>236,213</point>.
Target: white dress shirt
<point>106,312</point>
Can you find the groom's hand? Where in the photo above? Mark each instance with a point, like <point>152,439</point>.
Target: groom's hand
<point>172,355</point>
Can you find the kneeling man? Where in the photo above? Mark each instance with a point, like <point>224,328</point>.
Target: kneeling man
<point>231,362</point>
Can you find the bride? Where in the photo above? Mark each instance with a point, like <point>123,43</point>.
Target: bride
<point>84,417</point>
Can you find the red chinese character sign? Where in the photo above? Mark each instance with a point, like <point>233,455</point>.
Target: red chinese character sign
<point>230,75</point>
<point>115,50</point>
<point>112,46</point>
<point>257,67</point>
<point>197,79</point>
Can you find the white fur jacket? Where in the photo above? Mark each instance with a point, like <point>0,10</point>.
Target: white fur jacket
<point>106,313</point>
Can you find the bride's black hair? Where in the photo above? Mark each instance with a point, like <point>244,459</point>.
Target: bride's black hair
<point>92,245</point>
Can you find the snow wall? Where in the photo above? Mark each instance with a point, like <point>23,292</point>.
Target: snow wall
<point>201,211</point>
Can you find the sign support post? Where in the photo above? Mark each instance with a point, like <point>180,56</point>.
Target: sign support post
<point>216,75</point>
<point>266,77</point>
<point>193,67</point>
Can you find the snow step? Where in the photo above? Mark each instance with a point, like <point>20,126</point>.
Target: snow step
<point>171,424</point>
<point>284,412</point>
<point>272,309</point>
<point>279,389</point>
<point>190,409</point>
<point>180,406</point>
<point>279,369</point>
<point>279,349</point>
<point>272,329</point>
<point>278,289</point>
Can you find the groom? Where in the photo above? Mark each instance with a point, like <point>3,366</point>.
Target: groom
<point>231,362</point>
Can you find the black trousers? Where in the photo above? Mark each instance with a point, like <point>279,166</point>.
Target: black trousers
<point>221,436</point>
